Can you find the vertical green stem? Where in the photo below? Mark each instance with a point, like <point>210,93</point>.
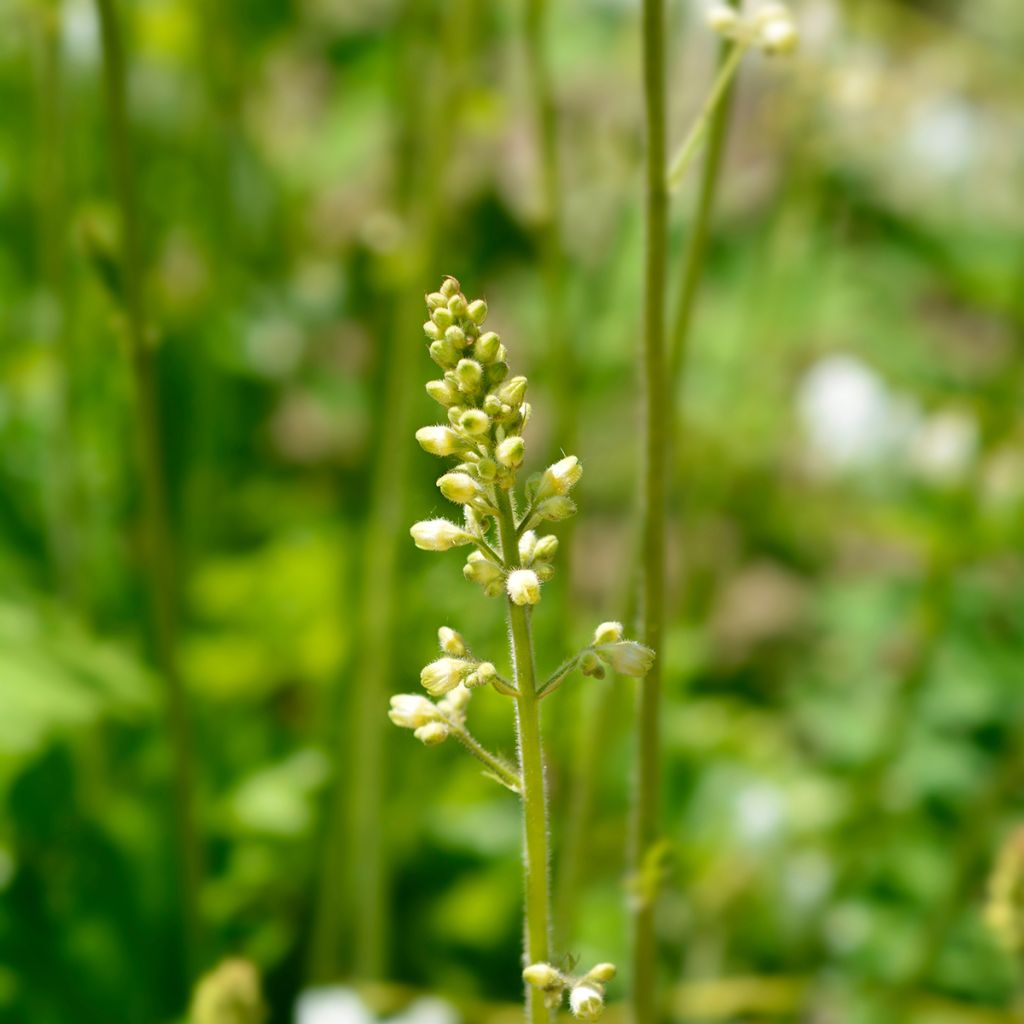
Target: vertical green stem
<point>537,897</point>
<point>648,747</point>
<point>159,554</point>
<point>696,247</point>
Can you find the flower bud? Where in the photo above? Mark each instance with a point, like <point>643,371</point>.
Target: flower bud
<point>590,665</point>
<point>444,354</point>
<point>475,421</point>
<point>469,374</point>
<point>602,973</point>
<point>458,487</point>
<point>455,414</point>
<point>444,674</point>
<point>546,548</point>
<point>450,286</point>
<point>454,702</point>
<point>432,734</point>
<point>455,336</point>
<point>523,586</point>
<point>545,571</point>
<point>527,544</point>
<point>457,306</point>
<point>560,478</point>
<point>627,657</point>
<point>492,406</point>
<point>438,440</point>
<point>498,370</point>
<point>442,318</point>
<point>486,673</point>
<point>411,710</point>
<point>432,331</point>
<point>511,452</point>
<point>722,19</point>
<point>486,347</point>
<point>438,535</point>
<point>586,1002</point>
<point>442,392</point>
<point>451,642</point>
<point>486,470</point>
<point>555,509</point>
<point>608,633</point>
<point>543,976</point>
<point>477,311</point>
<point>480,569</point>
<point>435,299</point>
<point>513,391</point>
<point>779,37</point>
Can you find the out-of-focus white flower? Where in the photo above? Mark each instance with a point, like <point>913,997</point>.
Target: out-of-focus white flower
<point>760,812</point>
<point>942,137</point>
<point>943,446</point>
<point>333,1005</point>
<point>849,416</point>
<point>427,1010</point>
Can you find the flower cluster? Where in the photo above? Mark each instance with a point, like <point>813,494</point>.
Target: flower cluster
<point>771,27</point>
<point>586,993</point>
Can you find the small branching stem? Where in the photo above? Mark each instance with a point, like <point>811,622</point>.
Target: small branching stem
<point>531,768</point>
<point>494,764</point>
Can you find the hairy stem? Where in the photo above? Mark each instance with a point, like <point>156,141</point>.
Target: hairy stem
<point>495,765</point>
<point>537,897</point>
<point>159,554</point>
<point>645,826</point>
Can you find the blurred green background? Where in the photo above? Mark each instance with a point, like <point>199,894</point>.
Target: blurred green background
<point>844,725</point>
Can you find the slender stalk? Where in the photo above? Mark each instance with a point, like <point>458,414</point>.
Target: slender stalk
<point>696,247</point>
<point>495,765</point>
<point>159,554</point>
<point>645,825</point>
<point>537,897</point>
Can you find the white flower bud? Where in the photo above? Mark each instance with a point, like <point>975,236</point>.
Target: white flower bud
<point>444,354</point>
<point>513,390</point>
<point>442,318</point>
<point>546,548</point>
<point>443,675</point>
<point>608,633</point>
<point>475,421</point>
<point>556,508</point>
<point>527,544</point>
<point>511,452</point>
<point>543,976</point>
<point>469,373</point>
<point>455,336</point>
<point>411,710</point>
<point>438,440</point>
<point>450,286</point>
<point>480,569</point>
<point>485,673</point>
<point>432,331</point>
<point>560,478</point>
<point>438,535</point>
<point>523,586</point>
<point>435,299</point>
<point>451,642</point>
<point>455,701</point>
<point>442,392</point>
<point>486,347</point>
<point>477,311</point>
<point>432,734</point>
<point>586,1002</point>
<point>458,487</point>
<point>779,37</point>
<point>457,305</point>
<point>722,19</point>
<point>602,973</point>
<point>627,657</point>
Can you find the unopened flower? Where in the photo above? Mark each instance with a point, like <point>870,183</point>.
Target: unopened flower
<point>722,19</point>
<point>477,311</point>
<point>444,674</point>
<point>411,710</point>
<point>480,569</point>
<point>454,702</point>
<point>458,487</point>
<point>513,391</point>
<point>511,452</point>
<point>527,544</point>
<point>590,665</point>
<point>523,586</point>
<point>586,1002</point>
<point>432,734</point>
<point>627,657</point>
<point>608,633</point>
<point>602,972</point>
<point>560,478</point>
<point>451,642</point>
<point>436,299</point>
<point>475,421</point>
<point>438,535</point>
<point>438,440</point>
<point>776,30</point>
<point>546,548</point>
<point>443,392</point>
<point>543,976</point>
<point>469,374</point>
<point>555,508</point>
<point>486,347</point>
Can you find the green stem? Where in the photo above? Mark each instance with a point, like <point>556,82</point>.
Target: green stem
<point>537,897</point>
<point>693,261</point>
<point>719,90</point>
<point>645,825</point>
<point>159,555</point>
<point>495,765</point>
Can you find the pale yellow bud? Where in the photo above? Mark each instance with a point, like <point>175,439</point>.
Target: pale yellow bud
<point>469,373</point>
<point>450,286</point>
<point>435,299</point>
<point>444,674</point>
<point>451,642</point>
<point>442,392</point>
<point>442,318</point>
<point>475,421</point>
<point>523,586</point>
<point>477,311</point>
<point>438,440</point>
<point>438,535</point>
<point>511,452</point>
<point>608,633</point>
<point>458,487</point>
<point>486,347</point>
<point>602,972</point>
<point>411,710</point>
<point>560,478</point>
<point>527,544</point>
<point>543,976</point>
<point>556,508</point>
<point>546,548</point>
<point>432,734</point>
<point>586,1002</point>
<point>458,307</point>
<point>722,19</point>
<point>455,701</point>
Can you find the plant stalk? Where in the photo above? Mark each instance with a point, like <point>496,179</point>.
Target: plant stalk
<point>537,896</point>
<point>645,824</point>
<point>159,556</point>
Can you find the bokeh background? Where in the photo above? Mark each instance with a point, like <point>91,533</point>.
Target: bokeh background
<point>844,740</point>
